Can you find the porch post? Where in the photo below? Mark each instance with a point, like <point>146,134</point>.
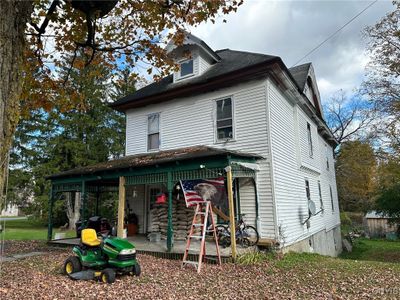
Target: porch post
<point>121,207</point>
<point>50,216</point>
<point>97,199</point>
<point>83,203</point>
<point>231,211</point>
<point>170,230</point>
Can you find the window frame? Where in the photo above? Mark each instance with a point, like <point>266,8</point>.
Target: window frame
<point>308,190</point>
<point>331,194</point>
<point>180,68</point>
<point>321,201</point>
<point>218,140</point>
<point>309,140</point>
<point>327,158</point>
<point>152,133</point>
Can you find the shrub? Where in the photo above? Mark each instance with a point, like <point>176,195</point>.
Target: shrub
<point>345,219</point>
<point>253,257</point>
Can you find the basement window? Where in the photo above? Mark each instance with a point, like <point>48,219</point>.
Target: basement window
<point>153,132</point>
<point>224,120</point>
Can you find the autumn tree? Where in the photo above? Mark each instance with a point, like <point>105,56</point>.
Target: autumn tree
<point>40,37</point>
<point>388,187</point>
<point>383,72</point>
<point>382,85</point>
<point>350,118</point>
<point>355,175</point>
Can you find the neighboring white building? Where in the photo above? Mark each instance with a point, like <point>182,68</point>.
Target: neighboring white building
<point>252,103</point>
<point>10,211</point>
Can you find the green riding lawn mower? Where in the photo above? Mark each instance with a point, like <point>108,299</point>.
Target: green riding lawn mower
<point>101,258</point>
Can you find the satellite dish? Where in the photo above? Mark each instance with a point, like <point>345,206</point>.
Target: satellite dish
<point>311,207</point>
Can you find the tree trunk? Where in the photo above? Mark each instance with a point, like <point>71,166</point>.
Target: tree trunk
<point>73,209</point>
<point>14,16</point>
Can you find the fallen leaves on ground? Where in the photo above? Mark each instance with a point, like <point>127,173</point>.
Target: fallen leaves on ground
<point>16,247</point>
<point>316,278</point>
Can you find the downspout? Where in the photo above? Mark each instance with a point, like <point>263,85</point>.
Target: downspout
<point>258,221</point>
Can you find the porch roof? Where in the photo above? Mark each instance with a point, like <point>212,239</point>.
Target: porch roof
<point>132,162</point>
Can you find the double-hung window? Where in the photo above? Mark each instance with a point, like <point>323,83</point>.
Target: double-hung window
<point>310,143</point>
<point>333,205</point>
<point>153,132</point>
<point>321,202</point>
<point>308,194</point>
<point>327,157</point>
<point>224,120</point>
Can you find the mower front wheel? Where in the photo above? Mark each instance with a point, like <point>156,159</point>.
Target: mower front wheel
<point>108,276</point>
<point>136,269</point>
<point>72,265</point>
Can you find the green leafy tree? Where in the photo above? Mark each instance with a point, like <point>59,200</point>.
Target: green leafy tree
<point>355,174</point>
<point>39,38</point>
<point>55,141</point>
<point>388,192</point>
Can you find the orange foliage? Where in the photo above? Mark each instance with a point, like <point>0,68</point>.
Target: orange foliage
<point>134,33</point>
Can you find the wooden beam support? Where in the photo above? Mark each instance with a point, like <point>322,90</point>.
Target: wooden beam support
<point>220,213</point>
<point>170,230</point>
<point>231,211</point>
<point>121,207</point>
<point>50,216</point>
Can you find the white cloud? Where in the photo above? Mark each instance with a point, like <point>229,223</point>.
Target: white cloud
<point>292,29</point>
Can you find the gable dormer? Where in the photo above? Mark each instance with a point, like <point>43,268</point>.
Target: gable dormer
<point>305,78</point>
<point>194,57</point>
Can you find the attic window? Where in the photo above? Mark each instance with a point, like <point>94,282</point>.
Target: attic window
<point>186,68</point>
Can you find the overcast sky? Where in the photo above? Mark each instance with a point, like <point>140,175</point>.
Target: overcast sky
<point>290,29</point>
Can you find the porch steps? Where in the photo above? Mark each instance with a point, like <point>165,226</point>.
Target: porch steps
<point>205,211</point>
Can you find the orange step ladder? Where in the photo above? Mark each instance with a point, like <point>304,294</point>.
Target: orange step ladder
<point>204,210</point>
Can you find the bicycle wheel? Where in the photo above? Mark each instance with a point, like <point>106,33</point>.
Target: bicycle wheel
<point>222,231</point>
<point>251,234</point>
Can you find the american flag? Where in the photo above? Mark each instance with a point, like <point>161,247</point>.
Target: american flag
<point>201,190</point>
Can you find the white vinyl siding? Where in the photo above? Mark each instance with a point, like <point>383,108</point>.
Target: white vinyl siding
<point>191,121</point>
<point>288,125</point>
<point>248,200</point>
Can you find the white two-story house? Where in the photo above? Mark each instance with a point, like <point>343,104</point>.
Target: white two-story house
<point>264,117</point>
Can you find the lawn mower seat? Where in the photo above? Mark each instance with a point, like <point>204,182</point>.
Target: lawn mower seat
<point>89,238</point>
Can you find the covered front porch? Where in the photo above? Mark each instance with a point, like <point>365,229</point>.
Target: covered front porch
<point>137,179</point>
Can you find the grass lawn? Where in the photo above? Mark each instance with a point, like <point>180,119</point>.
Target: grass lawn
<point>27,229</point>
<point>374,250</point>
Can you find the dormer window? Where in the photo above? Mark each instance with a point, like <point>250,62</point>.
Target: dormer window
<point>186,68</point>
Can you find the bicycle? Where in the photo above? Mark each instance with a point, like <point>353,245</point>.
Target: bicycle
<point>246,235</point>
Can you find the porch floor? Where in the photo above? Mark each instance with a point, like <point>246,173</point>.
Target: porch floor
<point>143,245</point>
